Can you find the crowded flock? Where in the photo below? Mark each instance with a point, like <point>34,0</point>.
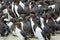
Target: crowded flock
<point>29,18</point>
